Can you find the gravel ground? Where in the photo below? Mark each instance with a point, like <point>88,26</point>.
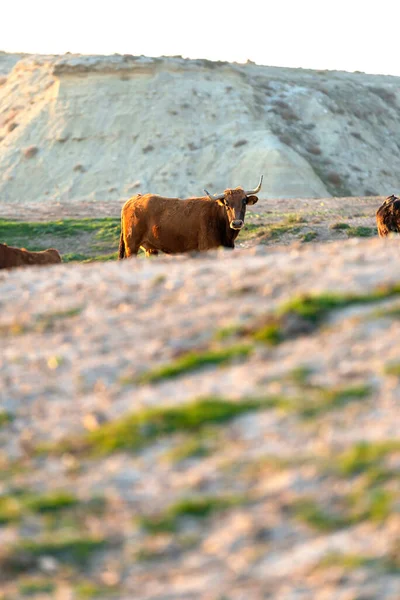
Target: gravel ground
<point>75,341</point>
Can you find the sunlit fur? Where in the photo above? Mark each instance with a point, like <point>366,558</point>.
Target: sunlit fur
<point>19,257</point>
<point>388,216</point>
<point>171,225</point>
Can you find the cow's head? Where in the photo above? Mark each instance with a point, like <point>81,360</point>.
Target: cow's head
<point>235,203</point>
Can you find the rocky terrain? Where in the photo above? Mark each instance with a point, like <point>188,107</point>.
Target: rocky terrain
<point>93,128</point>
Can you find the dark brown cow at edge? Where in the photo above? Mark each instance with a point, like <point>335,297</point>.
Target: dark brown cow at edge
<point>388,216</point>
<point>171,225</point>
<point>19,257</point>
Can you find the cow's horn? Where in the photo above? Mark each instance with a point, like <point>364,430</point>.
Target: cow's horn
<point>258,188</point>
<point>215,197</point>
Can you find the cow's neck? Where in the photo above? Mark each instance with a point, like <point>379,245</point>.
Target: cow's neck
<point>227,234</point>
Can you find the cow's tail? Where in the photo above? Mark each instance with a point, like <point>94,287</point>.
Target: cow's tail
<point>121,254</point>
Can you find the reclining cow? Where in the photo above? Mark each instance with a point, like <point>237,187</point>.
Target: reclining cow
<point>19,257</point>
<point>171,225</point>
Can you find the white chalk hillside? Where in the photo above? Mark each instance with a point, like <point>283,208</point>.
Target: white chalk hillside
<point>78,128</point>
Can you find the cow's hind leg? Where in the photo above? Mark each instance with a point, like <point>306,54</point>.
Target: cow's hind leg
<point>132,248</point>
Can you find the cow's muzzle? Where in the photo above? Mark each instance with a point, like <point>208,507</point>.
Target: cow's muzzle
<point>237,224</point>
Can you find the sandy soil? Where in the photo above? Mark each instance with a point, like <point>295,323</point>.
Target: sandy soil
<point>75,340</point>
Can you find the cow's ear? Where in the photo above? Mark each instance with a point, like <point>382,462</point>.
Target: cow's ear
<point>251,200</point>
<point>221,201</point>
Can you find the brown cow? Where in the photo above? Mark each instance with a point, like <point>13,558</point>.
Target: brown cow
<point>171,225</point>
<point>388,216</point>
<point>19,257</point>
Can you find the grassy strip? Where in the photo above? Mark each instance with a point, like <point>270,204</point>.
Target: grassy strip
<point>291,224</point>
<point>314,308</point>
<point>193,447</point>
<point>76,257</point>
<point>309,309</point>
<point>385,564</point>
<point>105,229</point>
<point>25,556</point>
<point>139,429</point>
<point>321,400</point>
<point>36,586</point>
<point>14,507</point>
<point>361,231</point>
<point>191,362</point>
<point>365,455</point>
<point>339,226</point>
<point>309,236</point>
<point>200,507</point>
<point>369,505</point>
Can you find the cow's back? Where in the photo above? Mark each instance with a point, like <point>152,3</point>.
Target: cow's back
<point>11,257</point>
<point>169,225</point>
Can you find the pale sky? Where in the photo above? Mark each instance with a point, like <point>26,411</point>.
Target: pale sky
<point>347,35</point>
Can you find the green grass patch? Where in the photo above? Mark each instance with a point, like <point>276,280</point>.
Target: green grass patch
<point>373,505</point>
<point>365,455</point>
<point>194,507</point>
<point>75,257</point>
<point>52,502</point>
<point>292,218</point>
<point>309,236</point>
<point>14,507</point>
<point>308,511</point>
<point>5,418</point>
<point>270,334</point>
<point>392,312</point>
<point>300,375</point>
<point>193,361</point>
<point>291,224</point>
<point>33,587</point>
<point>24,556</point>
<point>102,257</point>
<point>87,589</point>
<point>275,231</point>
<point>319,400</point>
<point>252,230</point>
<point>197,447</point>
<point>86,258</point>
<point>384,564</point>
<point>361,231</point>
<point>265,330</point>
<point>312,309</point>
<point>135,431</point>
<point>339,226</point>
<point>315,308</point>
<point>139,429</point>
